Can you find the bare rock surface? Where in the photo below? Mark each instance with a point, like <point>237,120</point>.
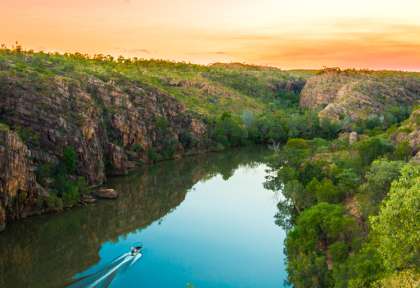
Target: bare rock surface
<point>18,193</point>
<point>106,193</point>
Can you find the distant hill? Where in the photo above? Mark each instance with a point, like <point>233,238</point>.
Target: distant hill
<point>359,94</point>
<point>203,89</point>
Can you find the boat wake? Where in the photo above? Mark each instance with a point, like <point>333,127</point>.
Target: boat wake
<point>104,277</point>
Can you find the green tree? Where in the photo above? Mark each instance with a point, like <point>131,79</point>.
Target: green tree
<point>312,169</point>
<point>329,129</point>
<point>397,226</point>
<point>347,181</point>
<point>328,192</point>
<point>361,269</point>
<point>372,148</point>
<point>316,229</point>
<point>294,152</point>
<point>379,177</point>
<point>295,191</point>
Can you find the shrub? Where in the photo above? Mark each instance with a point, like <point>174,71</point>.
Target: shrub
<point>43,172</point>
<point>329,128</point>
<point>326,191</point>
<point>186,139</point>
<point>70,160</point>
<point>372,148</point>
<point>161,123</point>
<point>403,151</point>
<point>53,202</point>
<point>152,155</point>
<point>70,194</point>
<point>137,148</point>
<point>169,148</point>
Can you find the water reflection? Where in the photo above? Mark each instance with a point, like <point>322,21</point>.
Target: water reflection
<point>48,251</point>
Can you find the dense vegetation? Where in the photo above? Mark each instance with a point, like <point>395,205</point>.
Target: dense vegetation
<point>351,206</point>
<point>351,210</point>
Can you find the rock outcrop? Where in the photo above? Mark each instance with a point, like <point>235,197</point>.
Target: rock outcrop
<point>409,132</point>
<point>358,94</point>
<point>110,126</point>
<point>18,192</point>
<point>106,193</point>
<point>105,123</point>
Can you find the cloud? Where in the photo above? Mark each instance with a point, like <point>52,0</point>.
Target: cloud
<point>358,43</point>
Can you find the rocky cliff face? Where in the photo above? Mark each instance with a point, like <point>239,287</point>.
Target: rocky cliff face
<point>17,180</point>
<point>110,126</point>
<point>358,94</point>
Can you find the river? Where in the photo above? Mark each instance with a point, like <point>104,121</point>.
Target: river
<point>203,221</point>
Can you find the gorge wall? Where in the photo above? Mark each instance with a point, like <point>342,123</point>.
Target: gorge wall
<point>110,127</point>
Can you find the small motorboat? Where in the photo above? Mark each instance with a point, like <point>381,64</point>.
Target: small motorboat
<point>135,250</point>
<point>135,254</point>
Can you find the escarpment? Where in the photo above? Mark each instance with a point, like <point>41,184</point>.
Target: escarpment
<point>357,95</point>
<point>110,127</point>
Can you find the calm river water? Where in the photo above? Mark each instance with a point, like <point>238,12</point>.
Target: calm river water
<point>204,221</point>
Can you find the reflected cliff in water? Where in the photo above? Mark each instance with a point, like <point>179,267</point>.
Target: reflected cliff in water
<point>47,251</point>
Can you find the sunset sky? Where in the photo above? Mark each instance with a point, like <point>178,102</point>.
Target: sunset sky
<point>376,34</point>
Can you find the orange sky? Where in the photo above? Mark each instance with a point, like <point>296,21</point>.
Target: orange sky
<point>376,34</point>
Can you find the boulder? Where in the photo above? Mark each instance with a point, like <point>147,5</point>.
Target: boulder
<point>416,159</point>
<point>87,199</point>
<point>106,193</point>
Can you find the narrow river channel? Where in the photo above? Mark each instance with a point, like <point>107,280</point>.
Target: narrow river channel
<point>203,221</point>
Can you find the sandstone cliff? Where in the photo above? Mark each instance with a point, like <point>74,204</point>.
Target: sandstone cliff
<point>110,126</point>
<point>17,181</point>
<point>358,94</point>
